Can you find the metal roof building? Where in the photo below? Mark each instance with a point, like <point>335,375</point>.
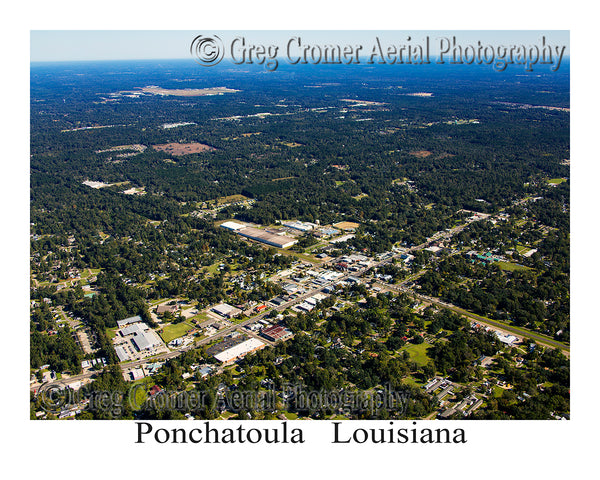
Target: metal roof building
<point>234,226</point>
<point>129,320</point>
<point>273,239</point>
<point>121,353</point>
<point>226,310</point>
<point>239,351</point>
<point>146,340</point>
<point>275,332</point>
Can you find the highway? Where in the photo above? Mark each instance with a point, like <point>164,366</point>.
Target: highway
<point>520,332</point>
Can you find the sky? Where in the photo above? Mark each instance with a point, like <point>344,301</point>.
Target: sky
<point>90,45</point>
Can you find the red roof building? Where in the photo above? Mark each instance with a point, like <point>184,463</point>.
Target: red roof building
<point>276,332</point>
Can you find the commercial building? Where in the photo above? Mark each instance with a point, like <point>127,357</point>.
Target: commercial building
<point>232,226</point>
<point>226,310</point>
<point>506,338</point>
<point>146,340</point>
<point>307,307</point>
<point>343,238</point>
<point>142,337</point>
<point>276,332</point>
<point>264,236</point>
<point>329,231</point>
<point>225,344</point>
<point>232,354</point>
<point>268,238</point>
<point>121,353</point>
<point>301,226</point>
<point>136,374</point>
<point>129,320</point>
<point>167,308</point>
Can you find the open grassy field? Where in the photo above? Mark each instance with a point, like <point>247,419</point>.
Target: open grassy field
<point>413,382</point>
<point>111,333</point>
<point>346,225</point>
<point>511,267</point>
<point>231,199</point>
<point>418,353</point>
<point>359,196</point>
<point>173,331</point>
<point>301,256</point>
<point>556,181</point>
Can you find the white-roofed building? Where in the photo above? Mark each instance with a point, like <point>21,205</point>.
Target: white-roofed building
<point>239,351</point>
<point>136,374</point>
<point>121,353</point>
<point>233,226</point>
<point>141,336</point>
<point>132,329</point>
<point>307,307</point>
<point>506,338</point>
<point>146,340</point>
<point>226,310</point>
<point>302,226</point>
<point>129,320</point>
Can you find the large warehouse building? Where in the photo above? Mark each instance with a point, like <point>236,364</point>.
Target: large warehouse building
<point>263,236</point>
<point>141,336</point>
<point>232,226</point>
<point>239,351</point>
<point>273,239</point>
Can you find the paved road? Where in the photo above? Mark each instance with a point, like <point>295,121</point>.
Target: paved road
<point>542,339</point>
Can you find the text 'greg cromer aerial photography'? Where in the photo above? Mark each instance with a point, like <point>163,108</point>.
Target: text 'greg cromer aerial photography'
<point>291,226</point>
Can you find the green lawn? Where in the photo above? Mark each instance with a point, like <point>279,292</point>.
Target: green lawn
<point>412,382</point>
<point>156,302</point>
<point>497,391</point>
<point>201,317</point>
<point>140,393</point>
<point>173,331</point>
<point>212,269</point>
<point>227,415</point>
<point>556,181</point>
<point>301,256</point>
<point>418,353</point>
<point>230,199</point>
<point>511,267</point>
<point>111,333</point>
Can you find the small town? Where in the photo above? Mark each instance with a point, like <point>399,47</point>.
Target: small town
<point>318,283</point>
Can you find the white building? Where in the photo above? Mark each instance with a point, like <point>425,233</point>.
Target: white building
<point>226,310</point>
<point>233,226</point>
<point>142,337</point>
<point>239,351</point>
<point>129,320</point>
